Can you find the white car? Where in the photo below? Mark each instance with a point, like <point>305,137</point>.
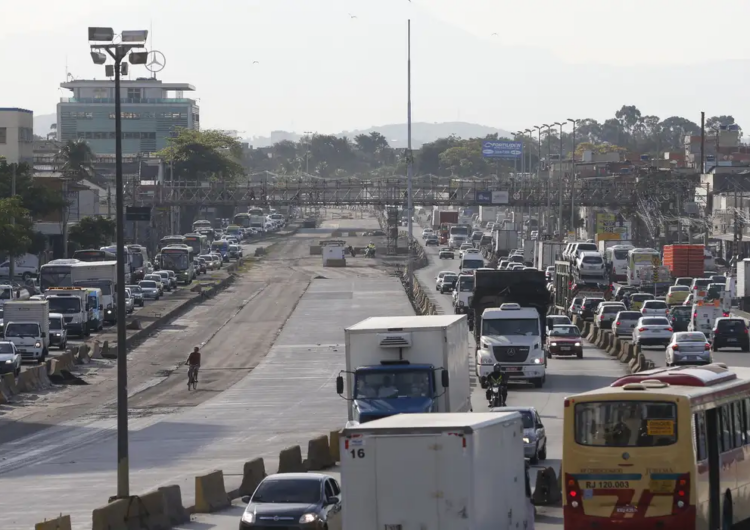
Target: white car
<point>652,331</point>
<point>447,282</point>
<point>606,313</point>
<point>427,232</point>
<point>439,278</point>
<point>625,322</point>
<point>653,308</point>
<point>209,259</point>
<point>129,301</point>
<point>688,347</point>
<point>464,248</point>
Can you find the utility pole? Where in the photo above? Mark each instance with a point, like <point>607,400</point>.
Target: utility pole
<point>410,160</point>
<point>706,211</point>
<point>572,178</point>
<point>12,259</point>
<point>560,184</point>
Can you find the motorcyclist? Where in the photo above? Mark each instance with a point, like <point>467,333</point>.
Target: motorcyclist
<point>194,361</point>
<point>500,378</point>
<point>371,249</point>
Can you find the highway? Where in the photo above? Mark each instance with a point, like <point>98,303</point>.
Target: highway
<point>564,377</point>
<point>273,345</point>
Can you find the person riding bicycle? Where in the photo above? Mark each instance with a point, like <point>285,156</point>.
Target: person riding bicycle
<point>194,362</point>
<point>500,378</point>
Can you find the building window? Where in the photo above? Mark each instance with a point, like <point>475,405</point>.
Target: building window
<point>101,93</point>
<point>134,93</point>
<point>126,116</point>
<point>3,135</point>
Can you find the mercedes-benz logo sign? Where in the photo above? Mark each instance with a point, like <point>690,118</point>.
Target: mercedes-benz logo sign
<point>511,352</point>
<point>156,61</point>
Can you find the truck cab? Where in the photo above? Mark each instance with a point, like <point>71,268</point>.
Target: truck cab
<point>71,302</point>
<point>512,336</point>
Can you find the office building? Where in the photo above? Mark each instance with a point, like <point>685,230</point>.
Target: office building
<point>152,111</point>
<point>16,135</point>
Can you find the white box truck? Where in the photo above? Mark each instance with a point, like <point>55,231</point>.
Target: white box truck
<point>102,274</point>
<point>436,472</point>
<point>27,326</point>
<point>72,304</point>
<point>547,253</point>
<point>406,364</point>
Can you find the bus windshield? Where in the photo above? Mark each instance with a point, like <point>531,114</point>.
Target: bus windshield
<point>626,423</point>
<point>55,276</point>
<point>176,261</point>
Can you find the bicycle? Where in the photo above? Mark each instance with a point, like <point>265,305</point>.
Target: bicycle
<point>192,377</point>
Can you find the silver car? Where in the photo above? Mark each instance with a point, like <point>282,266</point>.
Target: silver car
<point>606,313</point>
<point>165,280</point>
<point>129,301</point>
<point>10,359</point>
<point>650,331</point>
<point>534,435</point>
<point>688,347</point>
<point>625,322</point>
<point>151,289</point>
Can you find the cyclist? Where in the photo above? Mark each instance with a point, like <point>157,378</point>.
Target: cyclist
<point>194,361</point>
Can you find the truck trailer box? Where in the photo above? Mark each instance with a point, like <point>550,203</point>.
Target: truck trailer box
<point>436,472</point>
<point>413,354</point>
<point>27,311</point>
<point>504,241</point>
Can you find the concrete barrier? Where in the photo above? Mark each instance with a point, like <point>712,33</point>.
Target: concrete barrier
<point>634,364</point>
<point>151,512</point>
<point>547,491</point>
<point>134,513</point>
<point>623,353</point>
<point>43,375</point>
<point>253,472</point>
<point>594,334</point>
<point>316,250</point>
<point>113,516</point>
<point>62,522</point>
<point>290,460</point>
<point>173,508</point>
<point>66,361</point>
<point>210,493</point>
<point>586,329</point>
<point>318,454</point>
<point>642,363</point>
<point>96,352</point>
<point>134,324</point>
<point>83,357</point>
<point>25,382</point>
<point>4,393</point>
<point>333,445</point>
<point>578,322</point>
<point>9,382</point>
<point>614,345</point>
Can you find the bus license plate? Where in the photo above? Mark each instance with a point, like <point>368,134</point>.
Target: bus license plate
<point>661,486</point>
<point>565,348</point>
<point>513,369</point>
<point>607,485</point>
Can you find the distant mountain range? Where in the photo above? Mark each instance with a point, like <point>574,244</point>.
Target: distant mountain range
<point>42,123</point>
<point>396,133</point>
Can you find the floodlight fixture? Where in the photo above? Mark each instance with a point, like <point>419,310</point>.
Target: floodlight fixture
<point>138,57</point>
<point>98,57</point>
<point>134,36</point>
<point>101,34</point>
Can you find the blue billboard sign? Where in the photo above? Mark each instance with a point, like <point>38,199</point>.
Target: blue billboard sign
<point>493,149</point>
<point>484,197</point>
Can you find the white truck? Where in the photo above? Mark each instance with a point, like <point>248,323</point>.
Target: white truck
<point>72,304</point>
<point>406,364</point>
<point>604,244</point>
<point>27,326</point>
<point>102,274</point>
<point>503,241</point>
<point>704,317</point>
<point>512,336</point>
<point>547,252</point>
<point>258,222</point>
<point>435,472</point>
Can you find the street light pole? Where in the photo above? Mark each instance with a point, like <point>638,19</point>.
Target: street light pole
<point>560,182</point>
<point>572,178</point>
<point>129,40</point>
<point>531,139</point>
<point>12,259</point>
<point>548,224</point>
<point>410,161</point>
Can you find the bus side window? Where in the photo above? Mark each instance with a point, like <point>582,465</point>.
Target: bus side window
<point>739,431</point>
<point>699,420</point>
<point>725,429</point>
<point>746,404</point>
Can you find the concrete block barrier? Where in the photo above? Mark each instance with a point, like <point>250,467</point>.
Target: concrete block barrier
<point>578,322</point>
<point>151,512</point>
<point>173,508</point>
<point>44,380</point>
<point>333,445</point>
<point>83,355</point>
<point>614,345</point>
<point>4,393</point>
<point>253,472</point>
<point>108,353</point>
<point>9,382</point>
<point>642,363</point>
<point>318,454</point>
<point>25,382</point>
<point>61,522</point>
<point>594,334</point>
<point>633,364</point>
<point>113,516</point>
<point>547,491</point>
<point>290,460</point>
<point>586,329</point>
<point>65,361</point>
<point>623,353</point>
<point>134,324</point>
<point>210,493</point>
<point>134,513</point>
<point>96,351</point>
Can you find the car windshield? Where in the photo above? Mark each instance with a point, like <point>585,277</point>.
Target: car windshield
<point>681,311</point>
<point>679,289</point>
<point>612,308</point>
<point>64,304</point>
<point>134,288</point>
<point>655,322</point>
<point>565,331</point>
<point>148,284</point>
<point>527,418</point>
<point>511,326</point>
<point>732,326</point>
<point>702,283</point>
<point>592,302</point>
<point>288,491</point>
<point>466,284</point>
<point>628,315</point>
<point>655,304</point>
<point>6,347</point>
<point>591,259</point>
<point>641,297</point>
<point>626,423</point>
<point>472,264</point>
<point>577,301</point>
<point>690,337</point>
<point>22,330</point>
<point>450,278</point>
<point>620,254</point>
<point>586,247</point>
<point>55,323</point>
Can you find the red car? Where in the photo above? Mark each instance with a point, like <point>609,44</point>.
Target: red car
<point>565,340</point>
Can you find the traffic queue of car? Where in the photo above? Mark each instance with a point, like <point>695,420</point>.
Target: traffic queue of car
<point>690,322</point>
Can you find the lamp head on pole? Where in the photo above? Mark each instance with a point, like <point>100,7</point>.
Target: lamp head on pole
<point>98,57</point>
<point>101,34</point>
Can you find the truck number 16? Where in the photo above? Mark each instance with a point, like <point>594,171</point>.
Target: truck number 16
<point>357,453</point>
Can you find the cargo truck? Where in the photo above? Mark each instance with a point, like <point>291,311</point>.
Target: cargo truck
<point>102,275</point>
<point>435,472</point>
<point>72,304</point>
<point>27,326</point>
<point>406,364</point>
<point>507,315</point>
<point>488,213</point>
<point>567,289</point>
<point>743,284</point>
<point>442,216</point>
<point>503,241</point>
<point>547,252</point>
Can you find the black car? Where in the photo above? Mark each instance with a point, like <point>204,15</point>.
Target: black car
<point>730,333</point>
<point>588,307</point>
<point>448,283</point>
<point>137,293</point>
<point>295,500</point>
<point>680,316</point>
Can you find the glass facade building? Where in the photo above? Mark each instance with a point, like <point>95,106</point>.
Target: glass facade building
<point>151,112</point>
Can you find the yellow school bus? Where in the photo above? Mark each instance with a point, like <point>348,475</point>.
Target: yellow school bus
<point>637,455</point>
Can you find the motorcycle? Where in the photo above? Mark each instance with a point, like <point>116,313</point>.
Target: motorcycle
<point>497,396</point>
<point>370,253</point>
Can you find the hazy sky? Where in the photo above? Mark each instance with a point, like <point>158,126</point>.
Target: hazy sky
<point>321,70</point>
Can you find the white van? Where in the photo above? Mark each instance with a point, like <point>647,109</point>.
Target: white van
<point>471,262</point>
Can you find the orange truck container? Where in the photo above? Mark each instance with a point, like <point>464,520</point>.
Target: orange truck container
<point>684,260</point>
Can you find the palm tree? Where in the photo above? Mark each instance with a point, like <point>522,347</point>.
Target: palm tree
<point>75,163</point>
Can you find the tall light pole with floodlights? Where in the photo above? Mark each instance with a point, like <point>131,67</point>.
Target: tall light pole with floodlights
<point>573,178</point>
<point>560,181</point>
<point>131,45</point>
<point>529,132</point>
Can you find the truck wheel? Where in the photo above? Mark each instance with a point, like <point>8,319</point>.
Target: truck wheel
<point>534,460</point>
<point>538,382</point>
<point>543,453</point>
<point>579,355</point>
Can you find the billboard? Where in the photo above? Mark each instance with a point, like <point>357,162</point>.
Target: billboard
<point>494,149</point>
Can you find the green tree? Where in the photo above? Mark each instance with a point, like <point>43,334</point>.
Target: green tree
<point>75,160</point>
<point>93,232</point>
<point>201,156</point>
<point>16,227</point>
